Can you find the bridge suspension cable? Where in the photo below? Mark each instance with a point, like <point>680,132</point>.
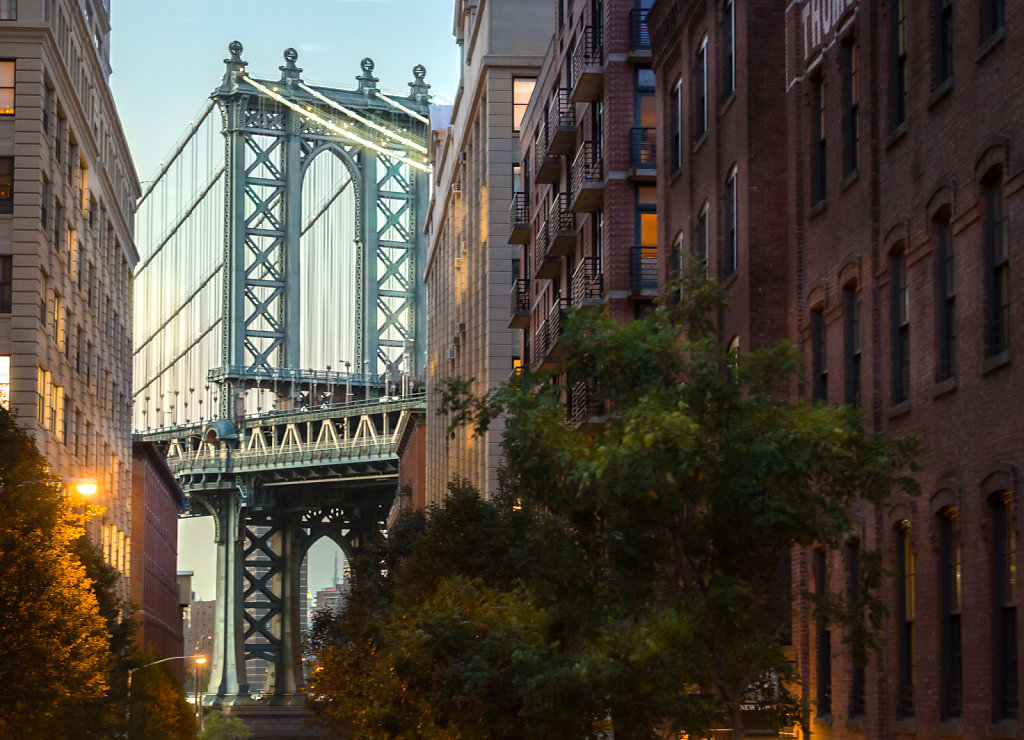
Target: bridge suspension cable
<point>166,165</point>
<point>339,130</point>
<point>399,106</point>
<point>376,126</point>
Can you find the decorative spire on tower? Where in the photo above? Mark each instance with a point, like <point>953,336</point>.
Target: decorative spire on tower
<point>420,90</point>
<point>290,73</point>
<point>235,66</point>
<point>367,82</point>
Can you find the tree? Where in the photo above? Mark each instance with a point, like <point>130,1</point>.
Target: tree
<point>634,568</point>
<point>220,726</point>
<point>159,710</point>
<point>53,641</point>
<point>684,505</point>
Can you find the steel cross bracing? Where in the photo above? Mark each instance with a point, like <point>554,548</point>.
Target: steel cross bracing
<point>280,453</point>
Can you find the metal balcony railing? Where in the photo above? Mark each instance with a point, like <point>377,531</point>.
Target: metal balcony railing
<point>560,218</point>
<point>562,112</point>
<point>639,37</point>
<point>587,167</point>
<point>643,151</point>
<point>644,268</point>
<point>520,295</point>
<point>539,248</point>
<point>581,403</point>
<point>587,281</point>
<point>519,210</point>
<point>589,51</point>
<point>549,329</point>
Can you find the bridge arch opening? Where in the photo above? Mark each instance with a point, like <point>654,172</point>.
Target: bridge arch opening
<point>328,246</point>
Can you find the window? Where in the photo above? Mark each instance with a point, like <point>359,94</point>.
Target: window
<point>44,209</point>
<point>851,104</point>
<point>731,245</point>
<point>700,90</point>
<point>900,82</point>
<point>675,133</point>
<point>851,342</point>
<point>823,639</point>
<point>950,589</point>
<point>47,92</point>
<point>857,673</point>
<point>993,17</point>
<point>6,82</point>
<point>6,184</point>
<point>701,238</point>
<point>8,10</point>
<point>57,411</point>
<point>819,349</point>
<point>1004,607</point>
<point>5,381</point>
<point>946,295</point>
<point>905,620</point>
<point>728,49</point>
<point>6,283</point>
<point>943,41</point>
<point>818,139</point>
<point>997,264</point>
<point>522,89</point>
<point>647,216</point>
<point>42,391</point>
<point>517,178</point>
<point>900,328</point>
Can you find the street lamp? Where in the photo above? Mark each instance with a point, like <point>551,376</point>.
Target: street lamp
<point>200,659</point>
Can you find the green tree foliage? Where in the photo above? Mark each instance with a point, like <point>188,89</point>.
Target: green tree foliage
<point>634,570</point>
<point>159,710</point>
<point>54,656</point>
<point>220,726</point>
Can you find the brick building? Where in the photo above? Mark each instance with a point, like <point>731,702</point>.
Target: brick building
<point>67,198</point>
<point>902,191</point>
<point>156,502</point>
<point>469,264</point>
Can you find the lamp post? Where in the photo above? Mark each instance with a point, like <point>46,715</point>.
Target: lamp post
<point>200,659</point>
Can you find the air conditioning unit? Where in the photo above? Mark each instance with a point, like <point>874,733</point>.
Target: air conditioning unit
<point>451,353</point>
<point>461,327</point>
<point>456,340</point>
<point>462,156</point>
<point>458,262</point>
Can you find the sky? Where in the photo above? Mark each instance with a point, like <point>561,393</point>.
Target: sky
<point>167,57</point>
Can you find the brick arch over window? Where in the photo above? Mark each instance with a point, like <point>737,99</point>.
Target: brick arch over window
<point>948,495</point>
<point>994,155</point>
<point>1003,476</point>
<point>817,297</point>
<point>899,512</point>
<point>849,274</point>
<point>941,201</point>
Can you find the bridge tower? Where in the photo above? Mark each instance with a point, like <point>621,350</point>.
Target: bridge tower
<point>323,460</point>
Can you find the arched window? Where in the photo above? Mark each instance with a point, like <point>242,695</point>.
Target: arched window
<point>997,265</point>
<point>851,343</point>
<point>700,89</point>
<point>819,354</point>
<point>822,638</point>
<point>728,49</point>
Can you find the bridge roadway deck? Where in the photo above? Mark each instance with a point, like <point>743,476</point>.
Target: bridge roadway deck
<point>353,441</point>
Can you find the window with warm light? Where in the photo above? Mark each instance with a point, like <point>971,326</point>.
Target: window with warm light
<point>5,381</point>
<point>522,89</point>
<point>6,86</point>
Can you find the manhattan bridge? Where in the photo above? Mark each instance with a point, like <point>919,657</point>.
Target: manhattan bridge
<point>279,324</point>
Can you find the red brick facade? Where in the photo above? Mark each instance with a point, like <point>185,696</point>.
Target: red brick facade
<point>880,193</point>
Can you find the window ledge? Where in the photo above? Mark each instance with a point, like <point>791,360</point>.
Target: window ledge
<point>903,407</point>
<point>855,724</point>
<point>823,719</point>
<point>995,361</point>
<point>951,728</point>
<point>1007,728</point>
<point>850,178</point>
<point>675,175</point>
<point>818,208</point>
<point>906,726</point>
<point>730,278</point>
<point>700,142</point>
<point>943,387</point>
<point>996,39</point>
<point>897,133</point>
<point>939,93</point>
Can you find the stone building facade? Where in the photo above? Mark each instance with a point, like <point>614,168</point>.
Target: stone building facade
<point>67,195</point>
<point>902,188</point>
<point>469,266</point>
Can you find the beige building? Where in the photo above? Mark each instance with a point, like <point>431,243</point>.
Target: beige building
<point>67,199</point>
<point>470,265</point>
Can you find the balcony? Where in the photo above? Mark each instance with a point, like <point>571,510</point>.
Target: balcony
<point>583,405</point>
<point>639,37</point>
<point>561,227</point>
<point>519,219</point>
<point>520,315</point>
<point>643,270</point>
<point>561,123</point>
<point>588,179</point>
<point>542,265</point>
<point>588,65</point>
<point>547,335</point>
<point>643,153</point>
<point>587,283</point>
<point>547,167</point>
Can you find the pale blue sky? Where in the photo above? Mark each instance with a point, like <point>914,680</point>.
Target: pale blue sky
<point>167,58</point>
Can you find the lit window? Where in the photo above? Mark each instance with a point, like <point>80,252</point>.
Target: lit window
<point>522,89</point>
<point>5,381</point>
<point>647,216</point>
<point>6,83</point>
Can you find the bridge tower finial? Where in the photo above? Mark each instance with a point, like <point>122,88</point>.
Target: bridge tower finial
<point>367,82</point>
<point>235,66</point>
<point>420,90</point>
<point>290,72</point>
